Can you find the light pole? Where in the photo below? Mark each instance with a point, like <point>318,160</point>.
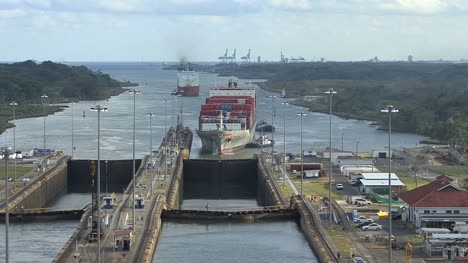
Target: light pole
<point>330,92</point>
<point>13,104</point>
<point>172,112</point>
<point>342,142</point>
<point>284,141</point>
<point>389,109</point>
<point>172,122</point>
<point>6,155</point>
<point>73,131</point>
<point>273,113</point>
<point>357,145</point>
<point>98,108</point>
<point>151,115</point>
<point>261,134</point>
<point>134,92</point>
<point>106,177</point>
<point>44,99</point>
<point>302,155</point>
<point>165,136</point>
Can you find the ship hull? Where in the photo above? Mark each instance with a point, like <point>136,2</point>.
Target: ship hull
<point>189,91</point>
<point>221,142</point>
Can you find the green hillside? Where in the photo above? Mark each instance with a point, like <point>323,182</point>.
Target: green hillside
<point>26,81</point>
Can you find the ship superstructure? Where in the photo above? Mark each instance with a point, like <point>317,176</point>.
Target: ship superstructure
<point>227,119</point>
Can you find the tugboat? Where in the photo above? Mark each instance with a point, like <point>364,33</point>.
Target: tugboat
<point>262,141</point>
<point>263,126</point>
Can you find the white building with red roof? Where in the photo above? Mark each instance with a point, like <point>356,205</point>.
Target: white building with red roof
<point>437,204</point>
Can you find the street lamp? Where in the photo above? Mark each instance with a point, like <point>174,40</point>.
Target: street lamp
<point>172,122</point>
<point>134,92</point>
<point>43,100</point>
<point>73,137</point>
<point>330,92</point>
<point>273,114</point>
<point>6,154</point>
<point>389,109</point>
<point>284,141</point>
<point>106,177</point>
<point>165,136</point>
<point>302,154</point>
<point>98,108</point>
<point>13,104</point>
<point>342,142</point>
<point>357,145</point>
<point>151,115</point>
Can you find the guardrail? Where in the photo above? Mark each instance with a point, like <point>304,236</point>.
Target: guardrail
<point>278,195</point>
<point>315,233</point>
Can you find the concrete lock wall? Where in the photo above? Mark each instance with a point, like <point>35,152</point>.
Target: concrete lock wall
<point>216,179</point>
<point>45,190</point>
<point>119,174</point>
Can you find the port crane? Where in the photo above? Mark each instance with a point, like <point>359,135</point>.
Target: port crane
<point>223,59</point>
<point>283,58</point>
<point>232,59</point>
<point>246,58</point>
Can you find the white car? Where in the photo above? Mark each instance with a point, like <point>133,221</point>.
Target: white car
<point>373,226</point>
<point>339,187</point>
<point>360,219</point>
<point>358,260</point>
<point>363,202</point>
<point>25,179</point>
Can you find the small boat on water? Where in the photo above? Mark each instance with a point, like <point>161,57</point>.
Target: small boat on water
<point>262,141</point>
<point>283,94</point>
<point>263,126</point>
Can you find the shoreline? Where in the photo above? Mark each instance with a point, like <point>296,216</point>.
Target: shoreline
<point>59,108</point>
<point>297,102</point>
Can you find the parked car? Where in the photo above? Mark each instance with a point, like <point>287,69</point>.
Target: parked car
<point>373,226</point>
<point>339,187</point>
<point>25,179</point>
<point>395,215</point>
<point>356,200</point>
<point>365,223</point>
<point>360,219</point>
<point>363,202</point>
<point>355,183</point>
<point>358,260</point>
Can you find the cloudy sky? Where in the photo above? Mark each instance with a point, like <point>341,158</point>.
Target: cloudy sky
<point>164,30</point>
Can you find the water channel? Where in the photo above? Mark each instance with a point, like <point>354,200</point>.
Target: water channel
<point>180,241</point>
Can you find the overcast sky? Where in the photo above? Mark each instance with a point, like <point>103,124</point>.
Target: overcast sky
<point>201,30</point>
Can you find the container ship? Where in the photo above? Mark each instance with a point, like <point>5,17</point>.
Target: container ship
<point>227,119</point>
<point>188,84</point>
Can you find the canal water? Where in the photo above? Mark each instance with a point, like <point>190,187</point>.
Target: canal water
<point>39,242</point>
<point>199,242</point>
<point>225,241</point>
